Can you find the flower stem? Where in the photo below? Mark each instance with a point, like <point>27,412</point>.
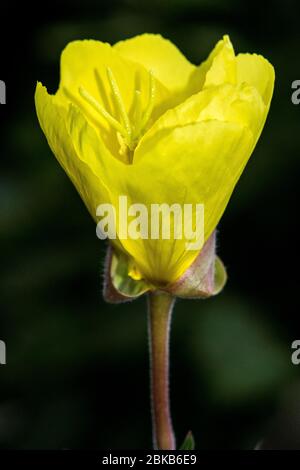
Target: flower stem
<point>159,318</point>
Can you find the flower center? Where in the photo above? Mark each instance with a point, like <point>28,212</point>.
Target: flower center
<point>128,133</point>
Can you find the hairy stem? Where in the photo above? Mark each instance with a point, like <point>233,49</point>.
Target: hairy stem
<point>160,310</point>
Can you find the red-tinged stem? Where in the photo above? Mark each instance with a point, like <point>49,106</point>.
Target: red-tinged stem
<point>160,312</point>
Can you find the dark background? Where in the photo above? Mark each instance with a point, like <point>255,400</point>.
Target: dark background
<point>77,368</point>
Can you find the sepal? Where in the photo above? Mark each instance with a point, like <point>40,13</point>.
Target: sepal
<point>205,277</point>
<point>118,285</point>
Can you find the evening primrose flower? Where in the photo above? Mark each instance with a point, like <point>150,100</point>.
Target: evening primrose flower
<point>138,119</point>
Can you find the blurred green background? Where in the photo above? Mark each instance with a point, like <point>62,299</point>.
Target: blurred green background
<point>77,369</point>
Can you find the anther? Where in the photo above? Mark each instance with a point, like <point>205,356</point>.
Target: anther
<point>119,101</point>
<point>97,107</point>
<point>149,109</point>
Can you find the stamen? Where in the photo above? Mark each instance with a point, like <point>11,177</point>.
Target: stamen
<point>128,135</point>
<point>120,103</point>
<point>138,107</point>
<point>150,105</point>
<point>97,107</point>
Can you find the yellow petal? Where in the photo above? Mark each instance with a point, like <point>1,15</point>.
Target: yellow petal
<point>217,69</point>
<point>154,52</point>
<point>201,163</point>
<point>90,148</point>
<point>257,71</point>
<point>86,65</point>
<point>237,104</point>
<point>220,64</point>
<point>53,118</point>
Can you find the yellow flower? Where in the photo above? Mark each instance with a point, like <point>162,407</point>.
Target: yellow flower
<point>138,119</point>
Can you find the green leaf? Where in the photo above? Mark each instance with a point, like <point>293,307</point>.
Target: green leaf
<point>188,443</point>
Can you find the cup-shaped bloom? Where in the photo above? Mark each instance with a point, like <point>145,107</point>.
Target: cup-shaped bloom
<point>138,119</point>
